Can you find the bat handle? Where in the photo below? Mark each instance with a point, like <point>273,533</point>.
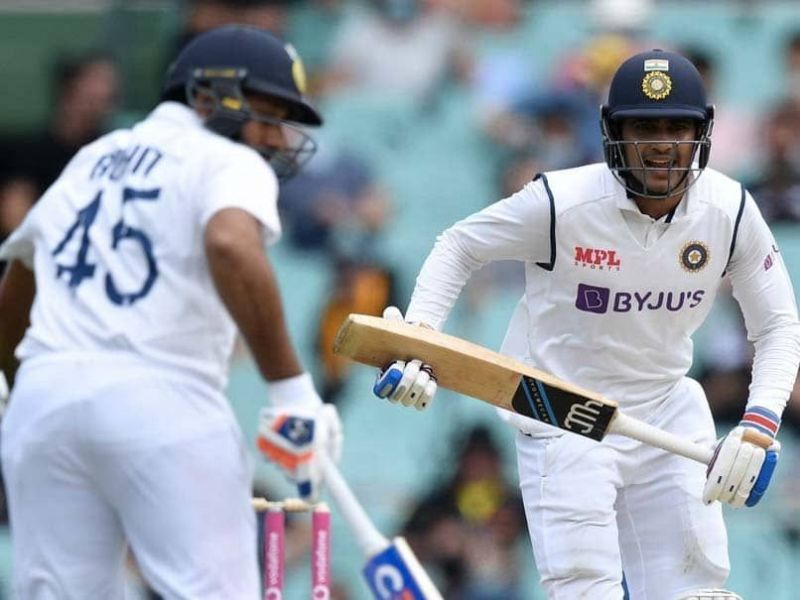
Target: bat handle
<point>644,432</point>
<point>369,539</point>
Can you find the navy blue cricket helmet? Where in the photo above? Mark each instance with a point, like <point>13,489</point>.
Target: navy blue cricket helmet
<point>656,85</point>
<point>218,67</point>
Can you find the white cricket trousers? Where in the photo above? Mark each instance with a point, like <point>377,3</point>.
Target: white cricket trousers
<point>96,453</point>
<point>595,510</point>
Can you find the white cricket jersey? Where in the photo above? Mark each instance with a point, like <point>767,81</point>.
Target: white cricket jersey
<point>117,245</point>
<point>612,296</point>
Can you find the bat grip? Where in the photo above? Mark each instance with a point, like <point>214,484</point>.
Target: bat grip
<point>369,539</point>
<point>644,432</point>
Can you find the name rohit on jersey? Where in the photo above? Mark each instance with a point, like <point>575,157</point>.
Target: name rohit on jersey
<point>126,161</point>
<point>597,258</point>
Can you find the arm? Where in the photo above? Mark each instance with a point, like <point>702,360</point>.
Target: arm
<point>741,470</point>
<point>516,228</point>
<point>246,283</point>
<point>762,287</point>
<point>297,423</point>
<point>17,291</point>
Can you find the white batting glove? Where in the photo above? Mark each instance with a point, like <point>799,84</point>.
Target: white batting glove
<point>295,428</point>
<point>712,594</point>
<point>740,470</point>
<point>409,383</point>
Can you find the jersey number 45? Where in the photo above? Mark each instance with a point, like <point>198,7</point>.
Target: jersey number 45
<point>82,269</point>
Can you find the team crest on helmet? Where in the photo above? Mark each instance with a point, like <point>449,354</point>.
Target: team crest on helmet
<point>656,85</point>
<point>694,256</point>
<point>298,70</point>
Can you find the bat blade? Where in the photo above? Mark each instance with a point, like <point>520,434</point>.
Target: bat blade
<point>473,370</point>
<point>395,573</point>
<point>392,571</point>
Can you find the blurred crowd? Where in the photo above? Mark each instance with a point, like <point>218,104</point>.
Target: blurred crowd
<point>465,66</point>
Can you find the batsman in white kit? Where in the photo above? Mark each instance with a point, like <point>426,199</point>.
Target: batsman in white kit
<point>126,284</point>
<point>623,260</point>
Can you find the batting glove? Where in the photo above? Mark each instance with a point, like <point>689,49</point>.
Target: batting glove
<point>712,594</point>
<point>742,468</point>
<point>295,429</point>
<point>410,383</point>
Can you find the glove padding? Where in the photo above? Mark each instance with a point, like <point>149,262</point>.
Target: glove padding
<point>294,430</point>
<point>712,594</point>
<point>740,470</point>
<point>410,383</point>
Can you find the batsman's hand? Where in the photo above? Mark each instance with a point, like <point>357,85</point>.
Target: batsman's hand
<point>741,468</point>
<point>411,383</point>
<point>295,429</point>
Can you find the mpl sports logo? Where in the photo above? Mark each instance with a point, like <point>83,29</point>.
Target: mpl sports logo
<point>600,300</point>
<point>597,258</point>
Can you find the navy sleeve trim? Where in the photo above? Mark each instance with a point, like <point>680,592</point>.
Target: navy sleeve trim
<point>735,229</point>
<point>549,266</point>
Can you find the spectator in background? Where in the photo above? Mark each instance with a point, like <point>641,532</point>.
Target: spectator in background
<point>337,208</point>
<point>792,54</point>
<point>735,137</point>
<point>559,124</point>
<point>203,15</point>
<point>336,205</point>
<point>397,47</point>
<point>500,74</point>
<point>777,192</point>
<point>468,529</point>
<point>85,94</point>
<point>778,189</point>
<point>312,26</point>
<point>499,65</point>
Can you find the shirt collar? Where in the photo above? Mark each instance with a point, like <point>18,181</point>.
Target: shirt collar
<point>687,204</point>
<point>177,113</point>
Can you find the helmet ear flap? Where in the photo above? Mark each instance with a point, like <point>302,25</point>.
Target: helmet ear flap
<point>705,138</point>
<point>612,153</point>
<point>221,95</point>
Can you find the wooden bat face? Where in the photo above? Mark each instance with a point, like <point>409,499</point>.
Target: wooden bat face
<point>473,370</point>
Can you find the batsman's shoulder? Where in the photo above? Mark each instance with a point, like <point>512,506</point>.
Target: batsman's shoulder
<point>719,191</point>
<point>568,188</point>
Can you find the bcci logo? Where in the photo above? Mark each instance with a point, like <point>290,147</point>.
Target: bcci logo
<point>657,85</point>
<point>694,256</point>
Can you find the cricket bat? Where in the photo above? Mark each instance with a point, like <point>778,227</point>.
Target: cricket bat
<point>473,370</point>
<point>392,571</point>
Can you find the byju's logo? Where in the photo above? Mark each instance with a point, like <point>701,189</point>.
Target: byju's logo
<point>592,299</point>
<point>601,300</point>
